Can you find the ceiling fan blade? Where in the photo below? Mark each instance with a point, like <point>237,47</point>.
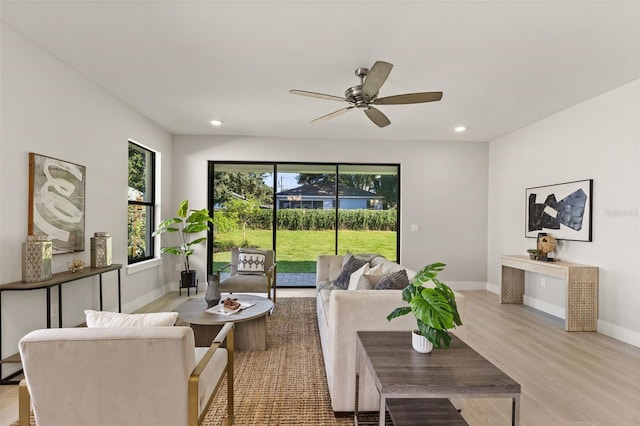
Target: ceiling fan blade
<point>331,115</point>
<point>316,95</point>
<point>376,77</point>
<point>377,117</point>
<point>409,98</point>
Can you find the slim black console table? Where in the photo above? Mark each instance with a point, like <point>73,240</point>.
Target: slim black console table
<point>56,281</point>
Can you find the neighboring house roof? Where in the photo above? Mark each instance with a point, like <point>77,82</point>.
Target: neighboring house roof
<point>327,190</point>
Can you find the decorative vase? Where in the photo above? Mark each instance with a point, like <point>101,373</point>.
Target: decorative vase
<point>36,259</point>
<point>100,250</point>
<point>212,295</point>
<point>420,343</point>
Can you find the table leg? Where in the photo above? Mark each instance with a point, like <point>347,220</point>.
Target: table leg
<point>383,404</point>
<point>515,411</point>
<point>512,285</point>
<point>100,284</point>
<point>48,307</point>
<point>119,296</point>
<point>60,306</point>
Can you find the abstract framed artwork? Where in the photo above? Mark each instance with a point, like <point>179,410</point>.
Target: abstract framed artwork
<point>57,202</point>
<point>562,210</point>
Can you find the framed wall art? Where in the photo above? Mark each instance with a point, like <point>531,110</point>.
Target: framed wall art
<point>562,210</point>
<point>56,202</point>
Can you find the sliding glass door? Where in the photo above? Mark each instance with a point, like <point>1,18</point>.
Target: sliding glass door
<point>303,210</point>
<point>242,208</point>
<point>368,209</point>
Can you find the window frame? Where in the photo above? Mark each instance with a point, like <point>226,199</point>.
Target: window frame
<point>150,204</point>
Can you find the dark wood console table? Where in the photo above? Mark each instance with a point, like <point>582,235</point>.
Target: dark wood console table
<point>56,281</point>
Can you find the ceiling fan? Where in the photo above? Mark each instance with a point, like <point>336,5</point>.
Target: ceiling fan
<point>365,94</point>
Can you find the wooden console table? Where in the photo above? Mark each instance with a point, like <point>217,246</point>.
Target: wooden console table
<point>56,281</point>
<point>581,309</point>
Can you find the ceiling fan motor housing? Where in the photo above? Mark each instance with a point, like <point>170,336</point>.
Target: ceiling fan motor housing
<point>356,96</point>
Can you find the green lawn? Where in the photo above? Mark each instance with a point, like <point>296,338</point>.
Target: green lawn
<point>298,250</point>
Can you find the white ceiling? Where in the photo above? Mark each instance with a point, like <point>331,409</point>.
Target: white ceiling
<point>501,64</point>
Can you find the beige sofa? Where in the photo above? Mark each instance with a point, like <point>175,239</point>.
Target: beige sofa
<point>341,313</point>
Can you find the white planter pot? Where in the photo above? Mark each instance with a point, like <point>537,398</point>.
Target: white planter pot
<point>420,343</point>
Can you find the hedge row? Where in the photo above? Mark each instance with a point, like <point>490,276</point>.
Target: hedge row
<point>318,220</point>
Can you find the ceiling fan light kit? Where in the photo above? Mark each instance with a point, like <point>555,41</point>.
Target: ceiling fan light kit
<point>365,94</point>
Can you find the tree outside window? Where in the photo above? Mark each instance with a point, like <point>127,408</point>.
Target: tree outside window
<point>141,203</point>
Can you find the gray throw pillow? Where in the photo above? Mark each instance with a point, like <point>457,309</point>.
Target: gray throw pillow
<point>351,265</point>
<point>394,281</point>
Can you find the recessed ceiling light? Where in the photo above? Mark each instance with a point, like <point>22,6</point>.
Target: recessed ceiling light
<point>216,123</point>
<point>460,129</point>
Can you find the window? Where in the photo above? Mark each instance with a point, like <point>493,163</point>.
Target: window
<point>141,203</point>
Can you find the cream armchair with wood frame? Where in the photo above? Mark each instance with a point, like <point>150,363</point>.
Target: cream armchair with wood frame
<point>246,277</point>
<point>123,376</point>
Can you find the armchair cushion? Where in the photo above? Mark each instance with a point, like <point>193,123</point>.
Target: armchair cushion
<point>115,319</point>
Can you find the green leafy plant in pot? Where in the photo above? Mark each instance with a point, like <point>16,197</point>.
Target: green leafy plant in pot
<point>187,223</point>
<point>435,308</point>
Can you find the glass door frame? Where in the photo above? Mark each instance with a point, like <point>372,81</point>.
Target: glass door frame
<point>210,198</point>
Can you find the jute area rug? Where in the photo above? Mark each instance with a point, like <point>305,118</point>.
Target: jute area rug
<point>286,384</point>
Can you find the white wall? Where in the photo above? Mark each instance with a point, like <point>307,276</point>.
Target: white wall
<point>49,109</point>
<point>443,185</point>
<point>600,140</point>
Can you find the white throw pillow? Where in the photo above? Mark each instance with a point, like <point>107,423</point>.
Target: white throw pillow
<point>369,282</point>
<point>251,262</point>
<point>115,319</point>
<point>355,276</point>
<point>376,270</point>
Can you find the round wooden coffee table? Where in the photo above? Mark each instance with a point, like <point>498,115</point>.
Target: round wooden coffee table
<point>250,323</point>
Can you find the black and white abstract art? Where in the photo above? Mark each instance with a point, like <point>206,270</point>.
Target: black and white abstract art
<point>562,210</point>
<point>56,202</point>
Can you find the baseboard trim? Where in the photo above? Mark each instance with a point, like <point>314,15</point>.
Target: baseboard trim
<point>467,285</point>
<point>626,335</point>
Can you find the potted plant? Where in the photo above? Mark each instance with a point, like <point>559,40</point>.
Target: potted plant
<point>435,308</point>
<point>533,253</point>
<point>187,223</point>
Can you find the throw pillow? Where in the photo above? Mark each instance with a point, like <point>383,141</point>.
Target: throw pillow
<point>368,282</point>
<point>394,281</point>
<point>376,270</point>
<point>251,262</point>
<point>115,319</point>
<point>355,277</point>
<point>352,265</point>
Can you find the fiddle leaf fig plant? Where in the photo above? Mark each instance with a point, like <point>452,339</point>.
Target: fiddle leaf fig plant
<point>186,223</point>
<point>435,308</point>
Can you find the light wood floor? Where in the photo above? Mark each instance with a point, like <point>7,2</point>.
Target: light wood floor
<point>584,379</point>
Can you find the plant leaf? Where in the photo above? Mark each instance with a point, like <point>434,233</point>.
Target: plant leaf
<point>183,209</point>
<point>398,312</point>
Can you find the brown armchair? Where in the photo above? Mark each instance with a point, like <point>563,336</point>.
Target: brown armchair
<point>243,279</point>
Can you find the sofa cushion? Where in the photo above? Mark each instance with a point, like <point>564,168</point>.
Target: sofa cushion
<point>350,266</point>
<point>395,281</point>
<point>115,319</point>
<point>251,262</point>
